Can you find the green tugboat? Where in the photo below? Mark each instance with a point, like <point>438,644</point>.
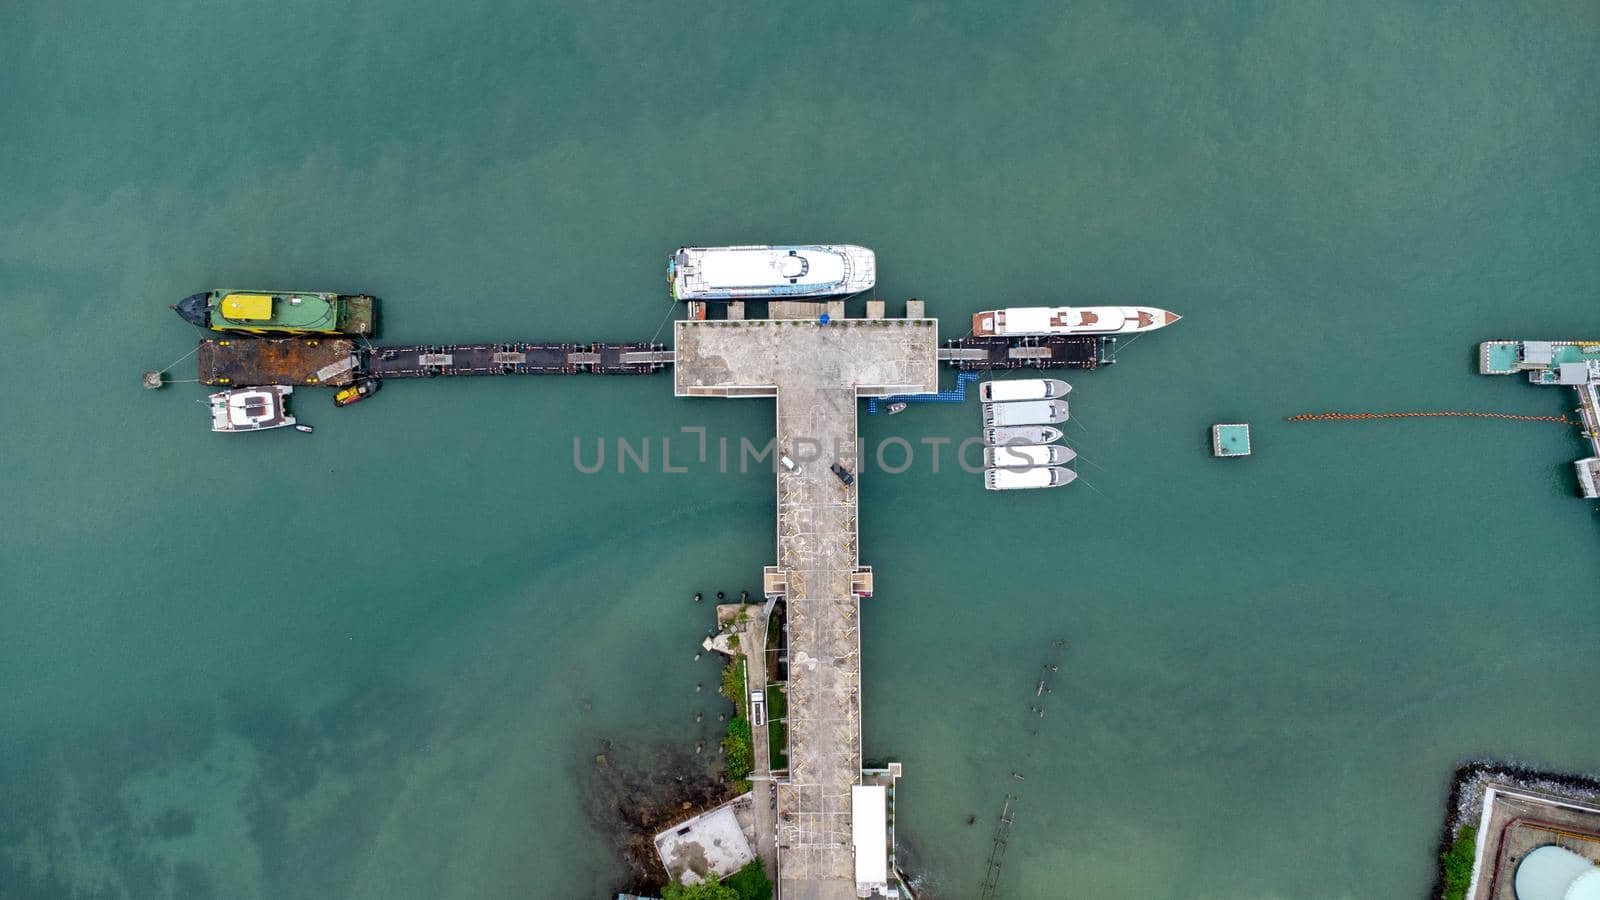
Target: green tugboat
<point>280,312</point>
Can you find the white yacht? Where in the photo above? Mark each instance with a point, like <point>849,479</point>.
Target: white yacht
<point>1029,412</point>
<point>1021,434</point>
<point>771,272</point>
<point>1023,389</point>
<point>1025,479</point>
<point>1040,321</point>
<point>251,409</point>
<point>1027,456</point>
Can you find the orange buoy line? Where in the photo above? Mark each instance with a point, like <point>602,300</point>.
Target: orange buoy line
<point>1350,417</point>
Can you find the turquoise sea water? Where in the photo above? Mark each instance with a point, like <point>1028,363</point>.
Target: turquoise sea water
<point>378,661</point>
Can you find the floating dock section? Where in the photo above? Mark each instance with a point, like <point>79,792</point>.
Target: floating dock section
<point>1057,352</point>
<point>1574,364</point>
<point>430,360</point>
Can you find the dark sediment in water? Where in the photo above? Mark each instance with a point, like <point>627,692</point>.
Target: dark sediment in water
<point>633,791</point>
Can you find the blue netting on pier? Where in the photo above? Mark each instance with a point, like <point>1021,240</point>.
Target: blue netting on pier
<point>958,394</point>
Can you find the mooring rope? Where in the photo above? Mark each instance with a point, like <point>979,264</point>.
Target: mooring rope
<point>180,359</point>
<point>1350,417</point>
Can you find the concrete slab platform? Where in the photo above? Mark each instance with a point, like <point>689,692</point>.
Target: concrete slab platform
<point>717,842</point>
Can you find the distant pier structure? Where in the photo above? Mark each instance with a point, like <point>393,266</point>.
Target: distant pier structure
<point>816,373</point>
<point>1574,364</point>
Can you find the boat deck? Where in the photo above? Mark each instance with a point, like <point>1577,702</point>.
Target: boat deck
<point>817,373</point>
<point>236,362</point>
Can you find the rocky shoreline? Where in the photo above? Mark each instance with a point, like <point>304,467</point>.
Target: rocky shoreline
<point>1465,805</point>
<point>632,793</point>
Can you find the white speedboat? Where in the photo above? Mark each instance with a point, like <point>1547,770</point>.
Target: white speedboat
<point>771,272</point>
<point>1021,434</point>
<point>1026,479</point>
<point>1023,389</point>
<point>1029,412</point>
<point>251,409</point>
<point>1041,321</point>
<point>1027,456</point>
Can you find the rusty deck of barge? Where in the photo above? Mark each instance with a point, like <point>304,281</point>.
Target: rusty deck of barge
<point>251,362</point>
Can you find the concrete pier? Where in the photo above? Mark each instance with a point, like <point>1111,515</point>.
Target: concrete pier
<point>817,373</point>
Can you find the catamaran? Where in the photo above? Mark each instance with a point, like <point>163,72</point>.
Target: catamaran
<point>771,272</point>
<point>252,409</point>
<point>1041,321</point>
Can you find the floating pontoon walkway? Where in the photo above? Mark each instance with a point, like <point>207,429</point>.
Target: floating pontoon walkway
<point>1058,352</point>
<point>429,360</point>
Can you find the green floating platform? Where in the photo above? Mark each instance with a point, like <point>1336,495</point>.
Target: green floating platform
<point>1230,440</point>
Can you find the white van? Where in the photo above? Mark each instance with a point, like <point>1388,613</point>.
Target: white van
<point>758,708</point>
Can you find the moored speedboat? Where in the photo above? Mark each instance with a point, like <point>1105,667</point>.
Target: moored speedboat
<point>1040,321</point>
<point>1030,412</point>
<point>1021,434</point>
<point>280,312</point>
<point>1023,389</point>
<point>897,407</point>
<point>251,409</point>
<point>356,393</point>
<point>1025,479</point>
<point>776,272</point>
<point>1027,456</point>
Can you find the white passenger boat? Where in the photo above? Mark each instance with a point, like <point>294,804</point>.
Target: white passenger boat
<point>251,409</point>
<point>1027,456</point>
<point>779,273</point>
<point>1026,479</point>
<point>1021,434</point>
<point>1040,321</point>
<point>1029,412</point>
<point>1023,389</point>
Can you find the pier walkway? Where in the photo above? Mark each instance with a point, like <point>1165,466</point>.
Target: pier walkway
<point>817,373</point>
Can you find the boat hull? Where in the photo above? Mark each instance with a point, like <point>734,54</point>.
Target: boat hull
<point>1042,321</point>
<point>1027,479</point>
<point>1027,456</point>
<point>1033,412</point>
<point>1021,434</point>
<point>251,409</point>
<point>280,313</point>
<point>1023,389</point>
<point>771,272</point>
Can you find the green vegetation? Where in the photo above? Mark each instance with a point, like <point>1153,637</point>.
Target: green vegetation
<point>777,745</point>
<point>777,728</point>
<point>705,890</point>
<point>738,748</point>
<point>1457,863</point>
<point>751,882</point>
<point>733,683</point>
<point>739,753</point>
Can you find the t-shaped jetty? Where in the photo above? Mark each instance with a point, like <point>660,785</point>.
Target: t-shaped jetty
<point>816,371</point>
